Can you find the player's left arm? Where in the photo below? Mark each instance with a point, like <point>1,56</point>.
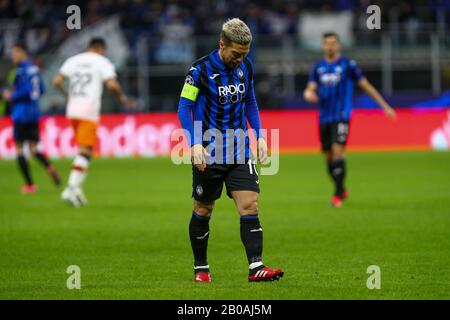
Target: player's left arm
<point>252,115</point>
<point>358,76</point>
<point>370,90</point>
<point>108,73</point>
<point>114,86</point>
<point>22,90</point>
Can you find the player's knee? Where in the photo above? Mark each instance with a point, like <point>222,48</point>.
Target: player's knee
<point>203,208</point>
<point>33,148</point>
<point>338,152</point>
<point>249,207</point>
<point>85,151</point>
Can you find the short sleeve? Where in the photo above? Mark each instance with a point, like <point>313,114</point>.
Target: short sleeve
<point>108,71</point>
<point>313,74</point>
<point>356,72</point>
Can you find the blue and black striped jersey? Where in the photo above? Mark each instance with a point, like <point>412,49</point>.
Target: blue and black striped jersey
<point>221,99</point>
<point>335,83</point>
<point>28,88</point>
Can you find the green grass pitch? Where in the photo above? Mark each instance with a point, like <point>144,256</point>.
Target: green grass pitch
<point>131,241</point>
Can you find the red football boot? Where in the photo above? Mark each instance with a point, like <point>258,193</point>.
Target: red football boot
<point>336,201</point>
<point>203,277</point>
<point>28,188</point>
<point>266,274</point>
<point>344,195</point>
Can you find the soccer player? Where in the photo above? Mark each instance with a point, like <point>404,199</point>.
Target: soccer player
<point>216,101</point>
<point>24,99</point>
<point>87,72</point>
<point>331,85</point>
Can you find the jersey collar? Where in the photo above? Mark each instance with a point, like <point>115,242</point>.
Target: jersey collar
<point>334,61</point>
<point>217,61</point>
<point>24,63</point>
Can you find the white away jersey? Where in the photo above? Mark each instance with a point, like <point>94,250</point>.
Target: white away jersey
<point>86,73</point>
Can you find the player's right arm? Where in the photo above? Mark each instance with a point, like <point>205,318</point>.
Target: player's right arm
<point>58,79</point>
<point>310,93</point>
<point>58,83</point>
<point>188,99</point>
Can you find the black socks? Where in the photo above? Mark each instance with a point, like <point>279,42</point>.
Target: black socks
<point>42,159</point>
<point>252,238</point>
<point>199,234</point>
<point>23,165</point>
<point>337,171</point>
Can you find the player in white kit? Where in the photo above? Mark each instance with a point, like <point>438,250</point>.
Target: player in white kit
<point>87,72</point>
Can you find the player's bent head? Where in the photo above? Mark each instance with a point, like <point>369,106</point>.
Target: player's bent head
<point>331,43</point>
<point>19,52</point>
<point>98,45</point>
<point>235,41</point>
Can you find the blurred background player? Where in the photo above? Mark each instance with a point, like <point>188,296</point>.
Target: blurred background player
<point>209,96</point>
<point>331,84</point>
<point>24,100</point>
<point>87,72</point>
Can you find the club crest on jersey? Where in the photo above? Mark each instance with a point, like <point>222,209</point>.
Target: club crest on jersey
<point>240,74</point>
<point>232,93</point>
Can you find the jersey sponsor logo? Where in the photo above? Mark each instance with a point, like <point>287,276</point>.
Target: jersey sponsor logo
<point>330,79</point>
<point>231,93</point>
<point>32,70</point>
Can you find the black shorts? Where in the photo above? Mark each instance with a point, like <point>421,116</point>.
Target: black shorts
<point>333,132</point>
<point>26,132</point>
<point>207,185</point>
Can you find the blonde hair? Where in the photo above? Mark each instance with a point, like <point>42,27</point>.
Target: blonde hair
<point>235,30</point>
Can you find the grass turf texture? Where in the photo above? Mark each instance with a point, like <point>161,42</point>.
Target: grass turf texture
<point>131,242</point>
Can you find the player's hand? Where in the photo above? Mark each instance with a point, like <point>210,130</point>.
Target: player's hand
<point>124,101</point>
<point>7,94</point>
<point>262,150</point>
<point>198,157</point>
<point>390,112</point>
<point>310,96</point>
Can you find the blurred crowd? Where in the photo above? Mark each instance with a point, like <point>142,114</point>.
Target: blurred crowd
<point>41,23</point>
